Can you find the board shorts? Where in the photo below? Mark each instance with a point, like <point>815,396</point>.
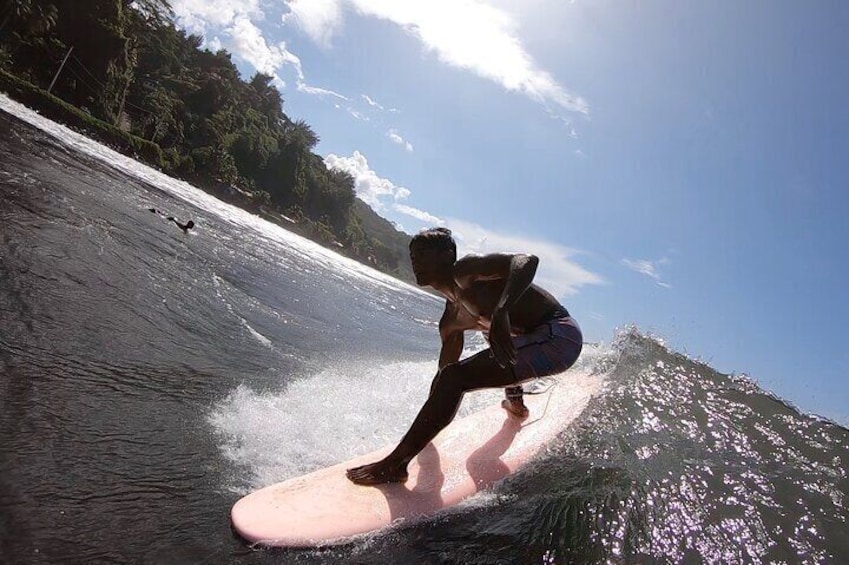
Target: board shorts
<point>550,348</point>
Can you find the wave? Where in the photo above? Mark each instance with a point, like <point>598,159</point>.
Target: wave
<point>672,462</point>
<point>676,462</point>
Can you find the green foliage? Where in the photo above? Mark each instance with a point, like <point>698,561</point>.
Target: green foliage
<point>28,17</point>
<point>217,163</point>
<point>262,198</point>
<point>58,110</point>
<point>5,58</point>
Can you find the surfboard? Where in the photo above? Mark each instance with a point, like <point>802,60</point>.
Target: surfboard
<point>470,455</point>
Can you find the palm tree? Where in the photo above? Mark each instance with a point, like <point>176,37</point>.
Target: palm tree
<point>300,133</point>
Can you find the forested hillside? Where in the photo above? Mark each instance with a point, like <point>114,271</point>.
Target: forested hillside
<point>134,80</point>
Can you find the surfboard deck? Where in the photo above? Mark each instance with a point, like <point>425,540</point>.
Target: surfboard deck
<point>472,453</point>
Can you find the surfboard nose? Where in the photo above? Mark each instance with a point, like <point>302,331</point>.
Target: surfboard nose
<point>259,520</point>
<point>315,509</point>
<point>246,521</point>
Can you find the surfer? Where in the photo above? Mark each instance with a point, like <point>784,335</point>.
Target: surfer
<point>185,227</point>
<point>530,335</point>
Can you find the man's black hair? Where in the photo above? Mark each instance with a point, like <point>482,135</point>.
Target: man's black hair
<point>435,238</point>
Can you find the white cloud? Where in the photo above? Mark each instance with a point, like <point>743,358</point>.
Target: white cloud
<point>304,87</point>
<point>558,272</point>
<point>468,34</point>
<point>250,45</point>
<point>356,114</point>
<point>197,15</point>
<point>374,104</point>
<point>474,36</point>
<point>396,138</point>
<point>236,19</point>
<point>319,19</point>
<point>372,189</point>
<point>371,102</point>
<point>648,268</point>
<point>214,45</point>
<point>420,215</point>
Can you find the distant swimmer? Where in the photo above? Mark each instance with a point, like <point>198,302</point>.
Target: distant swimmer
<point>185,227</point>
<point>530,335</point>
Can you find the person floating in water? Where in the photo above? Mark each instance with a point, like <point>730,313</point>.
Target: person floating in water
<point>185,227</point>
<point>530,335</point>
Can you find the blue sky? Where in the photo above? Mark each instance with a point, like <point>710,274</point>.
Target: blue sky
<point>681,166</point>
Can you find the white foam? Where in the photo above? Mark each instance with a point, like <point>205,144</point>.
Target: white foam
<point>255,334</point>
<point>325,418</point>
<point>337,414</point>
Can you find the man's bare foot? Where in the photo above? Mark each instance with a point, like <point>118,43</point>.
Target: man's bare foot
<point>377,473</point>
<point>517,409</point>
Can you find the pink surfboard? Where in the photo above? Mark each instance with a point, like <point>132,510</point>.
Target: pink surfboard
<point>472,453</point>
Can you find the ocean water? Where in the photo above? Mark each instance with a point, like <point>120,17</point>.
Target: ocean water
<point>149,378</point>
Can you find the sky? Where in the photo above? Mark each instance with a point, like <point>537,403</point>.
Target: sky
<point>678,166</point>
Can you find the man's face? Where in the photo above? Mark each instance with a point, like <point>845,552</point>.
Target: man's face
<point>429,263</point>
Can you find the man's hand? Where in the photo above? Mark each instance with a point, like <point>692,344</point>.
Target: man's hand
<point>500,342</point>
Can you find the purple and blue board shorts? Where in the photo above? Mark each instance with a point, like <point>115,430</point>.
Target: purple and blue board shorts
<point>550,348</point>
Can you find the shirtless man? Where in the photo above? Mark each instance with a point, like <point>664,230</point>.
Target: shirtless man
<point>530,335</point>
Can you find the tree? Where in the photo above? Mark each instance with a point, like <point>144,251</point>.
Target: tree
<point>265,97</point>
<point>32,18</point>
<point>300,134</point>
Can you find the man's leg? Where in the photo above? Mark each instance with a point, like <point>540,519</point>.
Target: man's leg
<point>449,386</point>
